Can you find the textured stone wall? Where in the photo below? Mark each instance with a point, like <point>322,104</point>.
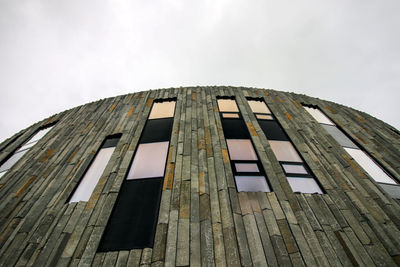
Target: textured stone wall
<point>203,220</point>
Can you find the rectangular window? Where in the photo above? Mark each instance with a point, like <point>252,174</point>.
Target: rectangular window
<point>287,155</point>
<point>285,151</point>
<point>133,220</point>
<point>339,136</point>
<point>361,157</point>
<point>369,166</point>
<point>248,172</point>
<point>318,115</point>
<point>14,157</point>
<point>227,105</point>
<point>246,167</point>
<point>251,184</point>
<point>149,161</point>
<point>164,109</point>
<point>241,149</point>
<point>93,174</point>
<point>304,185</point>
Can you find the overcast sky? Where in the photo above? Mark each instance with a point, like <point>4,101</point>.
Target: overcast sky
<point>55,55</point>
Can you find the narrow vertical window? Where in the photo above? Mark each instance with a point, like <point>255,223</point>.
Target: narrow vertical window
<point>134,217</point>
<point>248,172</point>
<point>95,170</point>
<point>361,157</point>
<point>296,170</point>
<point>14,157</point>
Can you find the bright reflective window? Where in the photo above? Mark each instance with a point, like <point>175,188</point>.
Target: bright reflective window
<point>284,151</point>
<point>230,115</point>
<point>241,149</point>
<point>149,160</point>
<point>318,115</point>
<point>369,166</point>
<point>39,135</point>
<point>290,168</point>
<point>252,184</point>
<point>12,160</point>
<point>227,105</point>
<point>246,167</point>
<point>304,185</point>
<point>92,176</point>
<point>258,106</point>
<point>162,110</point>
<point>22,150</point>
<point>264,117</point>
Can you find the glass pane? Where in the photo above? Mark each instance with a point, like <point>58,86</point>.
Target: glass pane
<point>92,176</point>
<point>241,149</point>
<point>227,105</point>
<point>392,189</point>
<point>149,161</point>
<point>12,160</point>
<point>318,115</point>
<point>40,134</point>
<point>246,167</point>
<point>373,169</point>
<point>162,110</point>
<point>304,185</point>
<point>264,117</point>
<point>258,106</point>
<point>273,130</point>
<point>289,168</point>
<point>252,184</point>
<point>340,137</point>
<point>27,146</point>
<point>230,115</point>
<point>284,151</point>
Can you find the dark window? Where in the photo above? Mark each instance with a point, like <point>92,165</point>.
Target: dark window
<point>157,130</point>
<point>133,220</point>
<point>272,130</point>
<point>234,128</point>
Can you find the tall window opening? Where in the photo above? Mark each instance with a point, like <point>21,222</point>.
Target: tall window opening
<point>247,169</point>
<point>134,217</point>
<point>295,168</point>
<point>375,170</point>
<point>93,174</point>
<point>17,155</point>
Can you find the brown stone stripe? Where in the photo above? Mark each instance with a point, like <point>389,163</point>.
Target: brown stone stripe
<point>288,116</point>
<point>225,155</point>
<point>169,174</point>
<point>149,102</point>
<point>24,186</point>
<point>47,155</point>
<point>130,111</point>
<point>112,107</point>
<point>252,129</point>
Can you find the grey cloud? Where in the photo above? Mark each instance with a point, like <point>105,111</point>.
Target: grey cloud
<point>59,54</point>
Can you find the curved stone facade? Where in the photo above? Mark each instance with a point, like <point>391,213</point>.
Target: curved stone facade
<point>202,218</point>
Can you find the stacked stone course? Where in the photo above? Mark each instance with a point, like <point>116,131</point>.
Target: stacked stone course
<point>203,220</point>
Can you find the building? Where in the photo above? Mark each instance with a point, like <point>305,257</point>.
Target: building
<point>211,176</point>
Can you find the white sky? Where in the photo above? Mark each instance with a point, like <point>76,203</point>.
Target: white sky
<point>55,55</point>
